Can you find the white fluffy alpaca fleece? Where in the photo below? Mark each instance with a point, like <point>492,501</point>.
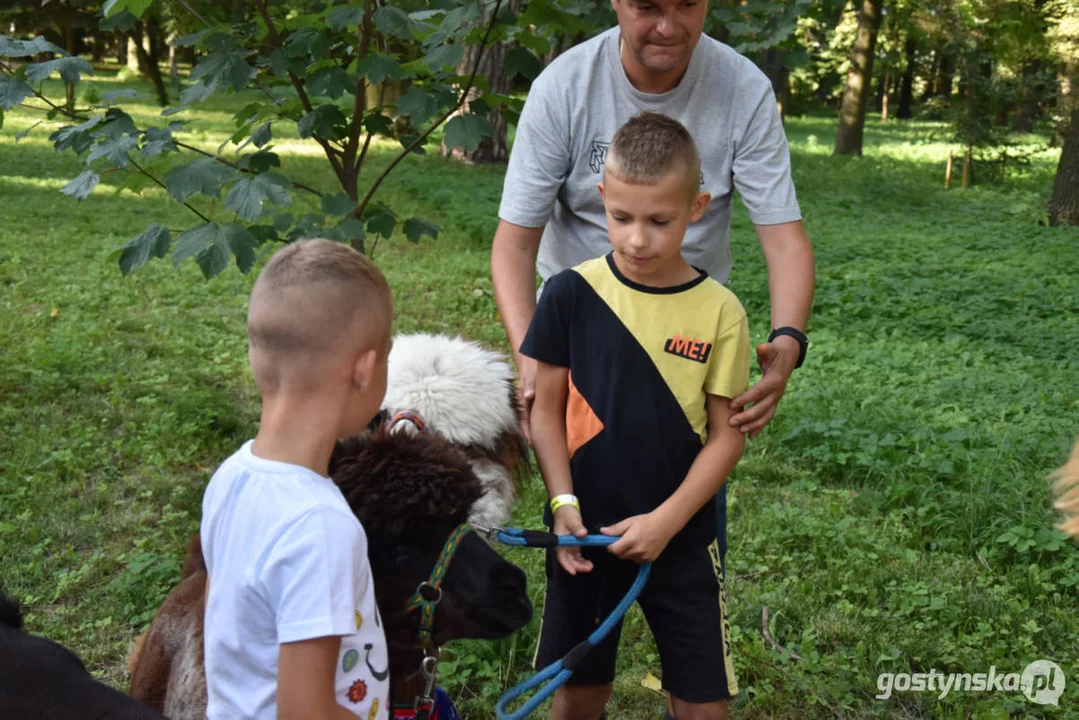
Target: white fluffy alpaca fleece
<point>462,392</point>
<point>457,387</point>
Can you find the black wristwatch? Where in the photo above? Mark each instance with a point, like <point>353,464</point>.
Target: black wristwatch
<point>803,341</point>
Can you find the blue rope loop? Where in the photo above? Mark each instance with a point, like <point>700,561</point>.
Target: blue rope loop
<point>550,678</point>
<point>543,539</point>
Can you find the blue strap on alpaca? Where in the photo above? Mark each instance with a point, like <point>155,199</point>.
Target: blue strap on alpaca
<point>558,672</point>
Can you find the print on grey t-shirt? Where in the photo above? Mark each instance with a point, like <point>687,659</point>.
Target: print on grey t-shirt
<point>577,105</point>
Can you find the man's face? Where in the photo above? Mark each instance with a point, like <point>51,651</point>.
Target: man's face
<point>660,34</point>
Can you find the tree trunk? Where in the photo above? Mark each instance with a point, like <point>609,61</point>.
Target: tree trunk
<point>97,47</point>
<point>174,66</point>
<point>121,48</point>
<point>934,72</point>
<point>946,73</point>
<point>148,66</point>
<point>493,149</point>
<point>848,140</point>
<point>69,41</point>
<point>883,92</point>
<point>771,62</point>
<point>906,92</point>
<point>1067,96</point>
<point>1023,122</point>
<point>1064,205</point>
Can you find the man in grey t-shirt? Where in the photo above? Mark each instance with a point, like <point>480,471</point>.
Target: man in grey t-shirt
<point>552,218</point>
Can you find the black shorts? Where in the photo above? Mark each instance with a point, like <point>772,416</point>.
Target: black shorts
<point>684,603</point>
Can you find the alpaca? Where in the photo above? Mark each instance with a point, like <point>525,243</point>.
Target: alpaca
<point>410,493</point>
<point>465,394</point>
<point>41,679</point>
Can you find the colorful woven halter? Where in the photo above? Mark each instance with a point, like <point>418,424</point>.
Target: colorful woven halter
<point>429,594</point>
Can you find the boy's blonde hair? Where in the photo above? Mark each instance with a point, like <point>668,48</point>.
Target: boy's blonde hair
<point>649,147</point>
<point>1067,492</point>
<point>315,300</point>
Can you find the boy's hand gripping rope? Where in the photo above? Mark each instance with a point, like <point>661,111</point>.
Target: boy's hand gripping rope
<point>560,670</point>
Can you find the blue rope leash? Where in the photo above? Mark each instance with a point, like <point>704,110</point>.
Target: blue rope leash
<point>560,671</point>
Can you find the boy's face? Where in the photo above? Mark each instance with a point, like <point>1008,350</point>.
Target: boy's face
<point>646,224</point>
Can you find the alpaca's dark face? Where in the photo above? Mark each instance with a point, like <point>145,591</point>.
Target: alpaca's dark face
<point>410,494</point>
<point>483,595</point>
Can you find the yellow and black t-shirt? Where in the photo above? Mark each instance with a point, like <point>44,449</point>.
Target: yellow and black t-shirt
<point>641,361</point>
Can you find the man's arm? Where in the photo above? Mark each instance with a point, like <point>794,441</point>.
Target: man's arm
<point>513,274</point>
<point>644,537</point>
<point>305,680</point>
<point>791,280</point>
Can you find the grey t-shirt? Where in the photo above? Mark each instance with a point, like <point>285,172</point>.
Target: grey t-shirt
<point>578,103</point>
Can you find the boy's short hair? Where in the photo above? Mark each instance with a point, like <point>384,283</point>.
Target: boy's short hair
<point>318,297</point>
<point>649,147</point>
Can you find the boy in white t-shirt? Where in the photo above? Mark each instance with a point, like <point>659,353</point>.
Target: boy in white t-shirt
<point>292,629</point>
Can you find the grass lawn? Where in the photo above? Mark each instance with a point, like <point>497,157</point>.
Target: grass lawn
<point>893,518</point>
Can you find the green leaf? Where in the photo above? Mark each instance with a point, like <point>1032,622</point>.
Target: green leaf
<point>351,229</point>
<point>13,92</point>
<point>189,40</point>
<point>339,204</point>
<point>521,61</point>
<point>393,21</point>
<point>325,121</point>
<point>135,7</point>
<point>380,220</point>
<point>344,17</point>
<point>75,137</point>
<point>158,140</point>
<point>25,48</point>
<point>376,122</point>
<point>417,104</point>
<point>307,41</point>
<point>262,136</point>
<point>241,243</point>
<point>444,56</point>
<point>122,22</point>
<point>109,97</point>
<point>796,59</point>
<point>70,69</point>
<point>466,131</point>
<point>332,82</point>
<point>536,43</point>
<point>81,187</point>
<point>217,69</point>
<point>204,175</point>
<point>377,67</point>
<point>114,150</point>
<point>136,182</point>
<point>279,63</point>
<point>201,241</point>
<point>153,242</point>
<point>247,195</point>
<point>415,228</point>
<point>260,162</point>
<point>406,142</point>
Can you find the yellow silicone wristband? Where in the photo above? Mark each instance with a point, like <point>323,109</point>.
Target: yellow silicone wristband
<point>559,500</point>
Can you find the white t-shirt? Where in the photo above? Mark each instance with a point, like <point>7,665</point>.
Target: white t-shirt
<point>583,97</point>
<point>287,561</point>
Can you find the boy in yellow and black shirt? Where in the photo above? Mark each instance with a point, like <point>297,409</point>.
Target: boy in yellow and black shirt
<point>639,354</point>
